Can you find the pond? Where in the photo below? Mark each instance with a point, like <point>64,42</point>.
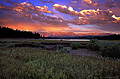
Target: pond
<point>69,39</point>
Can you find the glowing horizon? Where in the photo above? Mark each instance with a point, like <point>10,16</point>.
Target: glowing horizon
<point>75,16</point>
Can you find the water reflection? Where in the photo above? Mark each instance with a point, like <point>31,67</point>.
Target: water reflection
<point>69,39</point>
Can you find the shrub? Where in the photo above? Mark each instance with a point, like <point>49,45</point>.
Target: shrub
<point>75,45</point>
<point>10,45</point>
<point>61,49</point>
<point>32,63</point>
<point>7,41</point>
<point>36,42</point>
<point>1,45</point>
<point>26,42</point>
<point>110,50</point>
<point>80,45</point>
<point>94,45</point>
<point>1,41</point>
<point>64,50</point>
<point>107,49</point>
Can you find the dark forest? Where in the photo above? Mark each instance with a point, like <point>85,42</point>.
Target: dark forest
<point>6,32</point>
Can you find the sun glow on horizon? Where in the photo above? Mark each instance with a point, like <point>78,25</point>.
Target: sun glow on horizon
<point>57,15</point>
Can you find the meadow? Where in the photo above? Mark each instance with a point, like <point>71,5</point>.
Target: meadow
<point>36,63</point>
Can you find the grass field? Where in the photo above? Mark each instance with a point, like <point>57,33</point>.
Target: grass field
<point>35,63</point>
<point>42,41</point>
<point>32,63</point>
<point>18,41</point>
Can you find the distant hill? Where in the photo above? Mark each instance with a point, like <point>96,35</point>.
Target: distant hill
<point>6,32</point>
<point>71,34</point>
<point>107,37</point>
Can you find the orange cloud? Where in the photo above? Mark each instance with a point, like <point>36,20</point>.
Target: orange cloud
<point>88,16</point>
<point>74,2</point>
<point>26,16</point>
<point>33,22</point>
<point>43,9</point>
<point>117,21</point>
<point>96,17</point>
<point>29,25</point>
<point>84,13</point>
<point>28,10</point>
<point>26,3</point>
<point>96,12</point>
<point>117,18</point>
<point>87,1</point>
<point>66,10</point>
<point>56,29</point>
<point>27,6</point>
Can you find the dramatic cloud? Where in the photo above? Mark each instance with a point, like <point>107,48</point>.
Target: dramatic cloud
<point>87,16</point>
<point>67,10</point>
<point>28,10</point>
<point>61,15</point>
<point>98,17</point>
<point>32,13</point>
<point>83,13</point>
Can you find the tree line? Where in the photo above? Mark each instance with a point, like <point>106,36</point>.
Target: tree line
<point>6,32</point>
<point>109,37</point>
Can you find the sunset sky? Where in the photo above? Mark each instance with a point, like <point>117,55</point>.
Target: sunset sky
<point>75,16</point>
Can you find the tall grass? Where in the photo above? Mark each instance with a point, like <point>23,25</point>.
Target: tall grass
<point>32,63</point>
<point>94,45</point>
<point>60,48</point>
<point>106,49</point>
<point>75,45</point>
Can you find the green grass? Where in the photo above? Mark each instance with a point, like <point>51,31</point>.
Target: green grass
<point>42,41</point>
<point>114,41</point>
<point>56,41</point>
<point>32,63</point>
<point>106,49</point>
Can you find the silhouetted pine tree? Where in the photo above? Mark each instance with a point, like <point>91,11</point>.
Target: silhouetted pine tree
<point>109,37</point>
<point>6,32</point>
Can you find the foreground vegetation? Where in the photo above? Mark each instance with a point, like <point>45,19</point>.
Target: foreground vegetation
<point>106,49</point>
<point>33,63</point>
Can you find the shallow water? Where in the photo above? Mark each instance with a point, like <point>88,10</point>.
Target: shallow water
<point>70,39</point>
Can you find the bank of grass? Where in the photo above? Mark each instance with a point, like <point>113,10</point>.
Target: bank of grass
<point>41,40</point>
<point>106,49</point>
<point>54,41</point>
<point>114,41</point>
<point>32,63</point>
